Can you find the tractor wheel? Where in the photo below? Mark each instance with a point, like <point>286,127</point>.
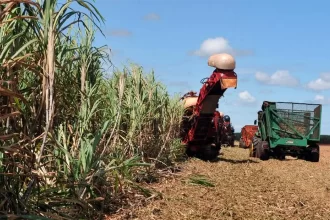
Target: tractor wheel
<point>314,153</point>
<point>252,152</point>
<point>259,150</point>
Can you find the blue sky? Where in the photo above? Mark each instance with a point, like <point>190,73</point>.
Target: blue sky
<point>281,47</point>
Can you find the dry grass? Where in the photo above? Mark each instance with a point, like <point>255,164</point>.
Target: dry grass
<point>299,127</point>
<point>244,189</point>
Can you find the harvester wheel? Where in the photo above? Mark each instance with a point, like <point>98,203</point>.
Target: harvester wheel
<point>314,153</point>
<point>258,149</point>
<point>190,153</point>
<point>209,152</point>
<point>233,143</point>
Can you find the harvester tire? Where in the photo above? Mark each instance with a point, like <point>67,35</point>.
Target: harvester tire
<point>209,152</point>
<point>189,152</point>
<point>233,143</point>
<point>258,149</point>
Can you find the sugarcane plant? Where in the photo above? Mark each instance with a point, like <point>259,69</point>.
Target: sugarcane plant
<point>71,139</point>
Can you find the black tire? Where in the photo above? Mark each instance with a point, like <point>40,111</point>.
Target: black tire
<point>259,151</point>
<point>279,153</point>
<point>314,153</point>
<point>301,156</point>
<point>281,156</point>
<point>209,153</point>
<point>231,143</point>
<point>190,153</point>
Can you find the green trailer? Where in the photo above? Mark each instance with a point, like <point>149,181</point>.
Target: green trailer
<point>287,128</point>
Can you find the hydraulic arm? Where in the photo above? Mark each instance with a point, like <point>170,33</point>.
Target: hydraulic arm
<point>201,129</point>
<point>207,102</point>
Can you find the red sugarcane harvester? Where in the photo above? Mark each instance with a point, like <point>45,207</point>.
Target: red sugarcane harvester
<point>202,124</point>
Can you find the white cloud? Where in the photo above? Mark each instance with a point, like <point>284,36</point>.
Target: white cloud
<point>322,83</point>
<point>246,97</point>
<point>152,17</point>
<point>280,78</point>
<point>321,100</point>
<point>212,46</point>
<point>325,76</point>
<point>262,77</point>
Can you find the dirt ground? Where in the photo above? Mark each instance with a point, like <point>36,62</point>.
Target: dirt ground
<point>243,188</point>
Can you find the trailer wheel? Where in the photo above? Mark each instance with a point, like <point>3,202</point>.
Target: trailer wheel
<point>314,153</point>
<point>279,153</point>
<point>258,149</point>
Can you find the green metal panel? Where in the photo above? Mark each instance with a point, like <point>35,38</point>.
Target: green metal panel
<point>290,124</point>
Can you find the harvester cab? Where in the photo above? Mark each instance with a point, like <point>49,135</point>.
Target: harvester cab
<point>200,131</point>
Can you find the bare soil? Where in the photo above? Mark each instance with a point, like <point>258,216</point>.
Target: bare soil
<point>244,188</point>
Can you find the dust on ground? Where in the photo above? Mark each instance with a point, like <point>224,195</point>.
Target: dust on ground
<point>243,188</point>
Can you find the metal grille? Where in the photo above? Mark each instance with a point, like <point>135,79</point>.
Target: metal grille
<point>301,117</point>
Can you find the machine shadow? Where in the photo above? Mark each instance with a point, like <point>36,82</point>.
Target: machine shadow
<point>233,161</point>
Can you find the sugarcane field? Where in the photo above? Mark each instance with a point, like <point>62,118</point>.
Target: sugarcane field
<point>164,110</point>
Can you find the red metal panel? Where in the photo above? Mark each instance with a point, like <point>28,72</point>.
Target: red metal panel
<point>202,126</point>
<point>247,134</point>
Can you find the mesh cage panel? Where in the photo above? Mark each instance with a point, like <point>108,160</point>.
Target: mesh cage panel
<point>302,117</point>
